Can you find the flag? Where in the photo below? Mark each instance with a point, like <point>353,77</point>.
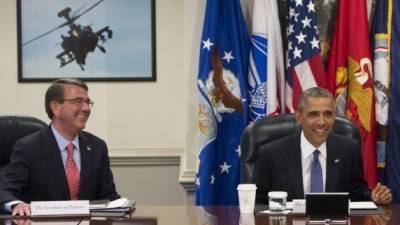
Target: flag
<point>393,139</point>
<point>266,72</point>
<point>381,67</point>
<point>350,77</point>
<point>380,43</point>
<point>223,106</point>
<point>304,61</point>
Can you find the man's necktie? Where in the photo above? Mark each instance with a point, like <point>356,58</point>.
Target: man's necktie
<point>316,184</point>
<point>73,176</point>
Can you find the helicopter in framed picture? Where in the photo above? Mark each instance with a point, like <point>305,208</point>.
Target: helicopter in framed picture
<point>83,38</point>
<point>80,40</point>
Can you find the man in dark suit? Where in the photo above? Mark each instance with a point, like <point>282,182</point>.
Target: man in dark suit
<point>314,160</point>
<point>60,162</point>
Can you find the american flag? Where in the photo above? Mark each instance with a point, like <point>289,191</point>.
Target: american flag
<point>304,62</point>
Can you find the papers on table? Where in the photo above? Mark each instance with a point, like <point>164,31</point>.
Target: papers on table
<point>119,203</point>
<point>116,204</point>
<point>362,205</point>
<point>117,208</point>
<point>352,205</point>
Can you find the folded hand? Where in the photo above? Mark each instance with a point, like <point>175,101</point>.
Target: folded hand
<point>381,194</point>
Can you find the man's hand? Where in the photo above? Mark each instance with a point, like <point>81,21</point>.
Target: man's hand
<point>22,221</point>
<point>381,194</point>
<point>22,209</point>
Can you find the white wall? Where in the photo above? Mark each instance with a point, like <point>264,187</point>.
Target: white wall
<point>193,23</point>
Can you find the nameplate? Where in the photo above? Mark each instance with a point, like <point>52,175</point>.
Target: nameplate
<point>60,208</point>
<point>299,206</point>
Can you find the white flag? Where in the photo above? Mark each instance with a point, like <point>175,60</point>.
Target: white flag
<point>266,75</point>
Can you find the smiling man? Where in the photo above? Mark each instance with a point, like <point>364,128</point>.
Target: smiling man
<point>60,162</point>
<point>314,159</point>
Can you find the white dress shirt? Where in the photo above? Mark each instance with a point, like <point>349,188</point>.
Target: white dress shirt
<point>307,150</point>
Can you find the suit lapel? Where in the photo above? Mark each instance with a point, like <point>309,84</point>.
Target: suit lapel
<point>53,157</point>
<point>85,151</point>
<point>294,159</point>
<point>333,161</point>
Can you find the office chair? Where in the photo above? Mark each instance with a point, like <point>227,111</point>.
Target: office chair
<point>13,128</point>
<point>271,128</point>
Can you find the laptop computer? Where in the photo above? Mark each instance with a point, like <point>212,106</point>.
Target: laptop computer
<point>327,207</point>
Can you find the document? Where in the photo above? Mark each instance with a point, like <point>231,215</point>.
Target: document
<point>352,206</point>
<point>116,204</point>
<point>116,208</point>
<point>363,205</point>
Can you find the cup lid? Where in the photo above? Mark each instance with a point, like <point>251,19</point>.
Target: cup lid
<point>277,194</point>
<point>247,187</point>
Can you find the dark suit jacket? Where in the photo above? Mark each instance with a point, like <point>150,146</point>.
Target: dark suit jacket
<point>36,171</point>
<point>279,168</point>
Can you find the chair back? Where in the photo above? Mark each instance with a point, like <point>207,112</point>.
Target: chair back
<point>271,128</point>
<point>13,128</point>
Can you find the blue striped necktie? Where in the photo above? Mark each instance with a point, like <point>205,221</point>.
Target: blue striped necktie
<point>316,184</point>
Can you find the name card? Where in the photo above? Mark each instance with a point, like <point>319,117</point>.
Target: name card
<point>299,206</point>
<point>57,208</point>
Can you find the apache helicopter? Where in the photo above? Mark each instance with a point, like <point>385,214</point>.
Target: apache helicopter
<point>80,40</point>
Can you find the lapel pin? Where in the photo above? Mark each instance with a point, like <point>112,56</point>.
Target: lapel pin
<point>88,148</point>
<point>336,161</point>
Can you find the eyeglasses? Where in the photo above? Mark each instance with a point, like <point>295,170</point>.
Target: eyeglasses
<point>79,101</point>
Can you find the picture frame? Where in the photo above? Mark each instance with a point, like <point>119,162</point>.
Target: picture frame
<point>92,40</point>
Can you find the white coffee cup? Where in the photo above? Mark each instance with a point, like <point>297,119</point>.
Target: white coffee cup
<point>247,197</point>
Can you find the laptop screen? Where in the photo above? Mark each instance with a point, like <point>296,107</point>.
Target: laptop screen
<point>322,206</point>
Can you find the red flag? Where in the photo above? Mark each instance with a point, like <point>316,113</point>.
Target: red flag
<point>350,77</point>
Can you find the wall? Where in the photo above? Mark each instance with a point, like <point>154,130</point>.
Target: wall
<point>193,23</point>
<point>142,122</point>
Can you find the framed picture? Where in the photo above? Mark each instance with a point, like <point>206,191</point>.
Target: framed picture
<point>93,40</point>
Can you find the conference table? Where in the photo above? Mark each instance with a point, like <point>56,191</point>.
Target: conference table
<point>194,215</point>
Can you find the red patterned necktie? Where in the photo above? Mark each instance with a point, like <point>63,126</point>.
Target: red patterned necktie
<point>73,176</point>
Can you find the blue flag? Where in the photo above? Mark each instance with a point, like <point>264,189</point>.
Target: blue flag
<point>222,109</point>
<point>393,141</point>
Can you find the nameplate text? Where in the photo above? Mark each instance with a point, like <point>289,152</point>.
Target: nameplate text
<point>299,206</point>
<point>55,208</point>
